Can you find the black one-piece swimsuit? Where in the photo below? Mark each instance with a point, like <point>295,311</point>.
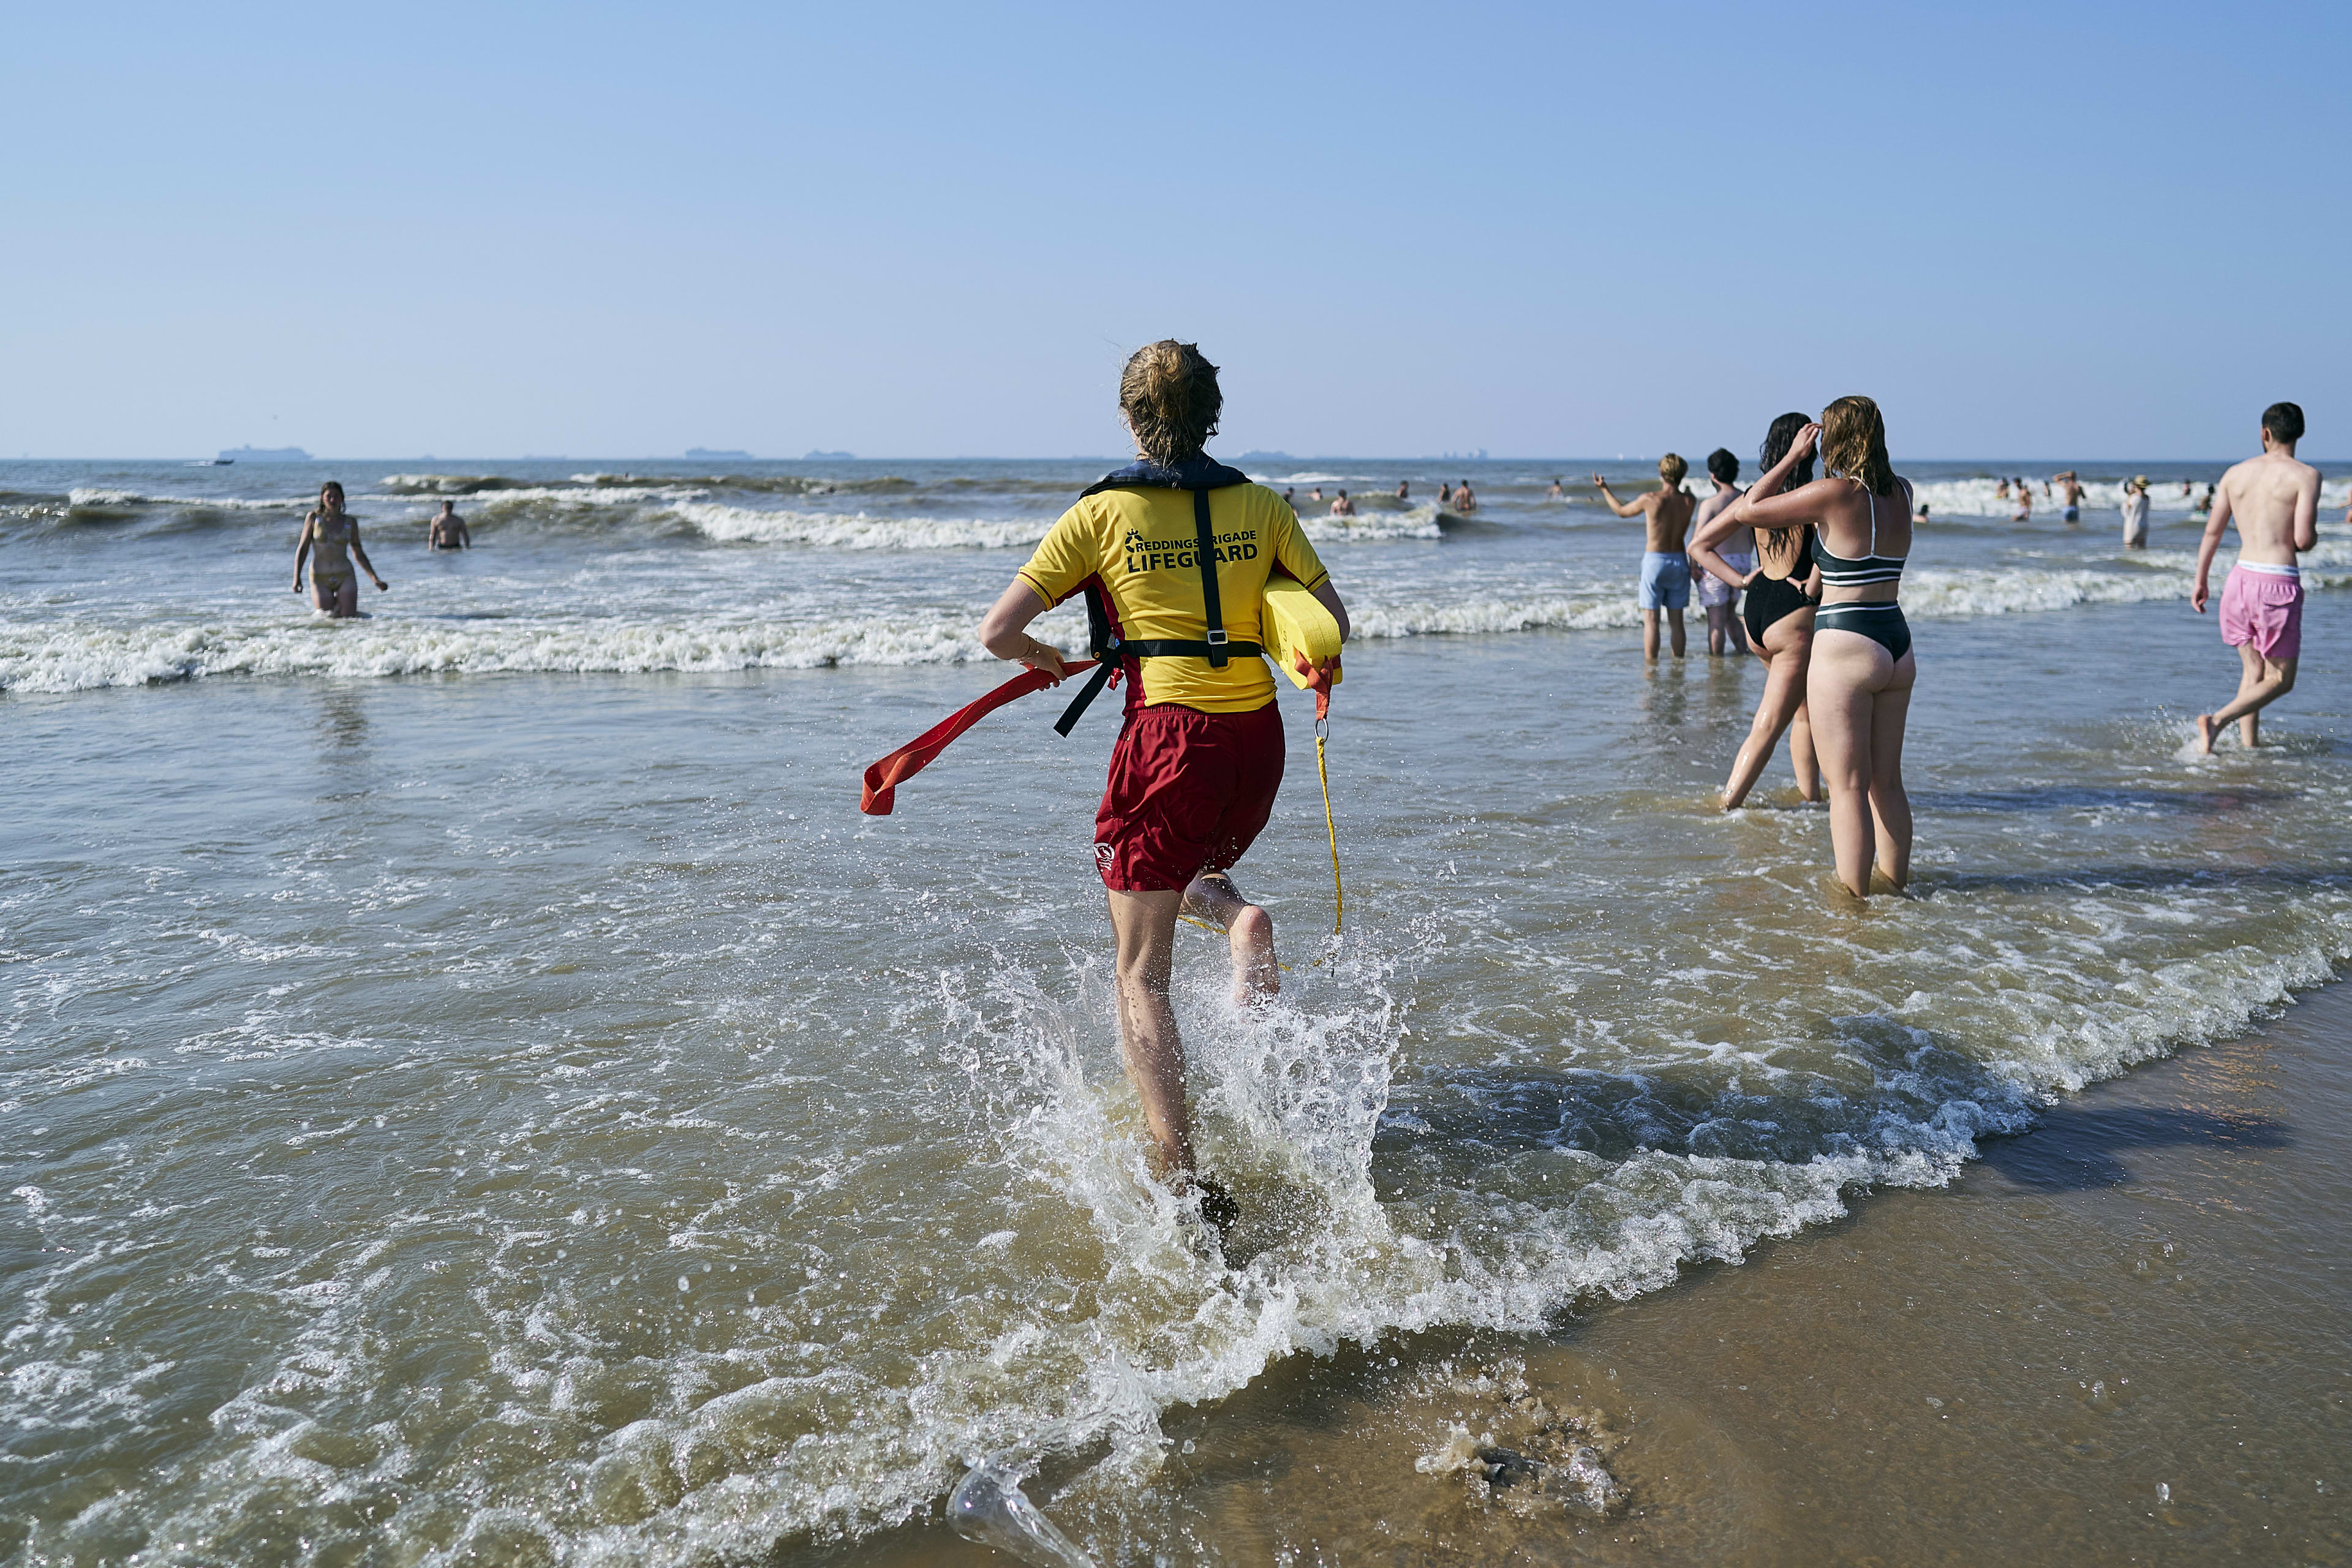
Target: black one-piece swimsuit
<point>1771,599</point>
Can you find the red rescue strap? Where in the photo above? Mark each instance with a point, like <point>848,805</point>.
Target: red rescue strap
<point>882,778</point>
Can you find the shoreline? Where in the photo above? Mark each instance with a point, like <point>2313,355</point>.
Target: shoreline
<point>2009,1366</point>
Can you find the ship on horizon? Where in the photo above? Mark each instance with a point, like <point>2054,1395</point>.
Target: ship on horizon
<point>265,455</point>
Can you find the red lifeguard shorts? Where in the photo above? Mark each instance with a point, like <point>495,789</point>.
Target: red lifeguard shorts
<point>1189,791</point>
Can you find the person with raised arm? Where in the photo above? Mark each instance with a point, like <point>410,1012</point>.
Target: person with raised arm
<point>2275,501</point>
<point>1193,776</point>
<point>1859,679</point>
<point>328,532</point>
<point>1782,586</point>
<point>1665,585</point>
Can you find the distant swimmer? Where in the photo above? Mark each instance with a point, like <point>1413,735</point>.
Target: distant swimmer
<point>1555,492</point>
<point>1920,515</point>
<point>1665,514</point>
<point>1290,499</point>
<point>1342,507</point>
<point>1782,593</point>
<point>1445,494</point>
<point>1463,501</point>
<point>2187,488</point>
<point>2204,503</point>
<point>2275,501</point>
<point>1719,597</point>
<point>2000,490</point>
<point>2135,505</point>
<point>449,531</point>
<point>1858,682</point>
<point>1316,494</point>
<point>328,532</point>
<point>1194,773</point>
<point>2070,492</point>
<point>1404,490</point>
<point>2024,512</point>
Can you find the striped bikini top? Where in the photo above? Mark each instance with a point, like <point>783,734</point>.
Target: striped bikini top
<point>1841,572</point>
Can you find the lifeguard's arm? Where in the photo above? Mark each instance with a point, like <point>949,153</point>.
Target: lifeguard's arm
<point>302,550</point>
<point>2215,523</point>
<point>1328,597</point>
<point>2306,515</point>
<point>1003,631</point>
<point>360,554</point>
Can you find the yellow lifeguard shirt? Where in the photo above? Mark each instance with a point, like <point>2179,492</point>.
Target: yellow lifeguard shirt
<point>1142,542</point>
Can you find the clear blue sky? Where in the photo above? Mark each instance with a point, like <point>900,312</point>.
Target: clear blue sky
<point>2043,230</point>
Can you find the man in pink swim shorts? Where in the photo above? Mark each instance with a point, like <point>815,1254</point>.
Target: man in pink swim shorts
<point>2275,501</point>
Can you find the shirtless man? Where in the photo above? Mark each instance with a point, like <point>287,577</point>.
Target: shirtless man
<point>449,531</point>
<point>1665,514</point>
<point>1554,493</point>
<point>1342,506</point>
<point>2274,501</point>
<point>1737,548</point>
<point>2070,492</point>
<point>2024,512</point>
<point>1463,501</point>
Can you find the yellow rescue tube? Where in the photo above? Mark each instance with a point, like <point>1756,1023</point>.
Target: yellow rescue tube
<point>1292,621</point>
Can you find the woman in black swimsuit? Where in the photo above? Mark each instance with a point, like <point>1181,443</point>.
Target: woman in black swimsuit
<point>1858,683</point>
<point>1780,613</point>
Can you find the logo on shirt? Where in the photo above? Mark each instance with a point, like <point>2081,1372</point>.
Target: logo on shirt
<point>1183,554</point>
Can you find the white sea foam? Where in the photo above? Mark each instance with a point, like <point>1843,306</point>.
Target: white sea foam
<point>1980,497</point>
<point>1419,522</point>
<point>101,500</point>
<point>859,532</point>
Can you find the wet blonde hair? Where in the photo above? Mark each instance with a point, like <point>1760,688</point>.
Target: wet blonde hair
<point>1671,469</point>
<point>1853,443</point>
<point>1169,393</point>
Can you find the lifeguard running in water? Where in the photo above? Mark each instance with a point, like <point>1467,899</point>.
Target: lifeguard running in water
<point>2275,501</point>
<point>330,539</point>
<point>1193,776</point>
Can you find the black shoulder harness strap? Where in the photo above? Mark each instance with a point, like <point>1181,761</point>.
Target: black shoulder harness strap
<point>1200,476</point>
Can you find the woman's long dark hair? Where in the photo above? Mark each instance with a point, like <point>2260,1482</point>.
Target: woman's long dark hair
<point>1777,441</point>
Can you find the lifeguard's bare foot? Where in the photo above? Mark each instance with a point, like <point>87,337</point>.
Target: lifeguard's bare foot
<point>2205,733</point>
<point>1256,974</point>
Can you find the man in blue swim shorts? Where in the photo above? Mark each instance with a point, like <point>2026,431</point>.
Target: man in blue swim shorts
<point>1665,514</point>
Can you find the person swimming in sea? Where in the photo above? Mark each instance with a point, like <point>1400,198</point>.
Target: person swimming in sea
<point>1404,491</point>
<point>447,529</point>
<point>2071,493</point>
<point>330,539</point>
<point>1342,507</point>
<point>1463,501</point>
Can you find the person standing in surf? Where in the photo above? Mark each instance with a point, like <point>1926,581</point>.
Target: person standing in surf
<point>1781,591</point>
<point>328,532</point>
<point>2275,501</point>
<point>447,531</point>
<point>1665,514</point>
<point>1858,680</point>
<point>1719,597</point>
<point>1193,776</point>
<point>2135,511</point>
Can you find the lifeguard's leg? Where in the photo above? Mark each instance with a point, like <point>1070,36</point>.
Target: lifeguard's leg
<point>1213,897</point>
<point>1145,926</point>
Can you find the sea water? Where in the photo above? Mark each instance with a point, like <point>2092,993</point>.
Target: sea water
<point>476,1090</point>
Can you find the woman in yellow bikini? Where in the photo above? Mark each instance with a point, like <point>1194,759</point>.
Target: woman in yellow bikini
<point>328,533</point>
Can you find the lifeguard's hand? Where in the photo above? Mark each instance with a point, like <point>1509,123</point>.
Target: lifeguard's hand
<point>1043,657</point>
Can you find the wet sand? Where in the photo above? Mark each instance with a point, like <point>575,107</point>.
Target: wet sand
<point>2120,1338</point>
